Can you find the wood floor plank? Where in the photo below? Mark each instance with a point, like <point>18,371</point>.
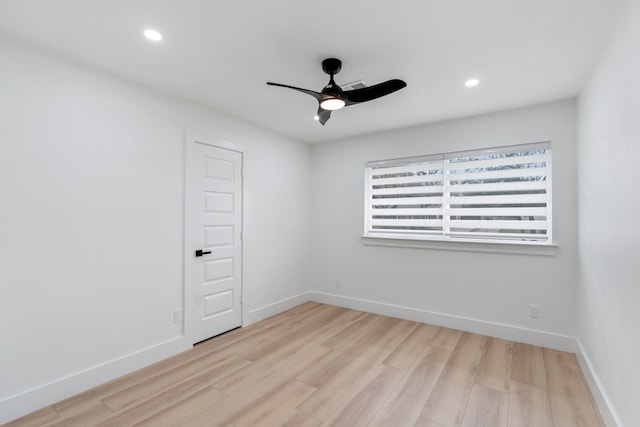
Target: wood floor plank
<point>255,370</point>
<point>412,347</point>
<point>528,365</point>
<point>35,418</point>
<point>144,389</point>
<point>528,406</point>
<point>378,339</point>
<point>284,349</point>
<point>446,338</point>
<point>486,408</point>
<point>379,344</point>
<point>300,309</point>
<point>259,345</point>
<point>357,315</point>
<point>157,402</point>
<point>79,401</point>
<point>570,400</point>
<point>361,407</point>
<point>299,419</point>
<point>235,343</point>
<point>88,415</point>
<point>175,415</point>
<point>405,404</point>
<point>494,369</point>
<point>297,312</point>
<point>448,400</point>
<point>224,412</point>
<point>329,396</point>
<point>325,369</point>
<point>317,333</point>
<point>296,330</point>
<point>333,327</point>
<point>318,311</point>
<point>423,422</point>
<point>356,330</point>
<point>276,319</point>
<point>285,368</point>
<point>275,410</point>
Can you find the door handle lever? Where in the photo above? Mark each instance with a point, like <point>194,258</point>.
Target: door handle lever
<point>199,252</point>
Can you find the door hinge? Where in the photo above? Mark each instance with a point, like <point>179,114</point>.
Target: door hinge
<point>241,171</point>
<point>242,235</point>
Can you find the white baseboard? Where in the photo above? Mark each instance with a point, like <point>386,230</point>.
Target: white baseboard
<point>260,313</point>
<point>498,330</point>
<point>609,415</point>
<point>38,397</point>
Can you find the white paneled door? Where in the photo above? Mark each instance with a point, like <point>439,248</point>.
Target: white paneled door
<point>217,225</point>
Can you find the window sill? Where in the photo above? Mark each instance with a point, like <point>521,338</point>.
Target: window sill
<point>543,249</point>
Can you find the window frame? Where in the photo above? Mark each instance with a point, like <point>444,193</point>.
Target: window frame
<point>444,239</point>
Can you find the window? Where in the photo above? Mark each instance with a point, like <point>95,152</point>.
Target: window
<point>499,194</point>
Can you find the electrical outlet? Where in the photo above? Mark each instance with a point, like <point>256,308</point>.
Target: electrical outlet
<point>534,311</point>
<point>177,315</point>
<point>338,282</point>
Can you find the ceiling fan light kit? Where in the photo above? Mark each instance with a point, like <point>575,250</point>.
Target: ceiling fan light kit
<point>332,104</point>
<point>333,97</point>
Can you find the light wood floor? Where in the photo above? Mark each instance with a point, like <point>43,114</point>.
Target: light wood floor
<point>319,365</point>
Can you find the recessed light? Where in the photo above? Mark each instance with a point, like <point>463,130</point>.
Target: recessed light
<point>152,35</point>
<point>472,83</point>
<point>316,117</point>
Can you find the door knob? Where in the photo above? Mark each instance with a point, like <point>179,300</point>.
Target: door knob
<point>199,252</point>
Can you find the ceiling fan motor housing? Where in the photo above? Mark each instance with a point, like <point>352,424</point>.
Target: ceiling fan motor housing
<point>331,66</point>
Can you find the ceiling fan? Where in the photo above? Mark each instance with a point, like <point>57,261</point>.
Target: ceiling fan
<point>332,97</point>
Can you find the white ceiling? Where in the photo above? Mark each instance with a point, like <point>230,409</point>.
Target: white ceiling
<point>220,53</point>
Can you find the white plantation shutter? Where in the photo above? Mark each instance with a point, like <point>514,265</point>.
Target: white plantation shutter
<point>405,196</point>
<point>493,194</point>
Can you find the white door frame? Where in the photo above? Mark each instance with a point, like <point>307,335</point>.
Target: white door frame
<point>188,303</point>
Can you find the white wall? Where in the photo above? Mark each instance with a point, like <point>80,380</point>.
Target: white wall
<point>608,206</point>
<point>91,224</point>
<point>491,292</point>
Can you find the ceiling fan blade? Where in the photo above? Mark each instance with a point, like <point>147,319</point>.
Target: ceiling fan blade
<point>323,115</point>
<point>316,95</point>
<point>372,92</point>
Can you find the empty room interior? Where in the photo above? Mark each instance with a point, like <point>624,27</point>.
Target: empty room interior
<point>424,219</point>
